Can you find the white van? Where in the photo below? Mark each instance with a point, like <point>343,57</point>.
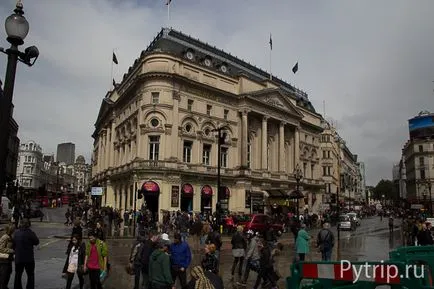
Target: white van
<point>6,208</point>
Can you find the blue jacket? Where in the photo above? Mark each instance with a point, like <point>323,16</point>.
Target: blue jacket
<point>180,254</point>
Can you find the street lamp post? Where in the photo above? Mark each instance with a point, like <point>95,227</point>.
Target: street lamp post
<point>17,29</point>
<point>298,175</point>
<point>220,141</point>
<point>135,206</point>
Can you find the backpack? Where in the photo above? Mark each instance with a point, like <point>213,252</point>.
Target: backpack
<point>143,254</point>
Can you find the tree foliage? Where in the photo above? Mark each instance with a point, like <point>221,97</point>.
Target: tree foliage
<point>386,188</point>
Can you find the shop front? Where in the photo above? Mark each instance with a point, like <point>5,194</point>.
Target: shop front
<point>206,199</point>
<point>151,194</point>
<point>187,193</point>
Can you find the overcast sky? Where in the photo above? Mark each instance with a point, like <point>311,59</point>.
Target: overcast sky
<point>370,61</point>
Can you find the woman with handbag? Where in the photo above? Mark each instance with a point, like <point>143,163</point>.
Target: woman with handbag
<point>6,256</point>
<point>74,262</point>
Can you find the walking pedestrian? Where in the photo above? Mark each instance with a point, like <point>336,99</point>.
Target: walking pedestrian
<point>95,261</point>
<point>140,259</point>
<point>74,262</point>
<point>391,224</point>
<point>160,276</point>
<point>325,242</point>
<point>302,243</point>
<point>252,256</point>
<point>6,256</point>
<point>180,256</point>
<point>239,246</point>
<point>24,241</point>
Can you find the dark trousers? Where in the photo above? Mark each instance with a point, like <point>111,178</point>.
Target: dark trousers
<point>30,271</point>
<point>95,282</point>
<point>301,256</point>
<point>326,255</point>
<point>5,274</point>
<point>239,261</point>
<point>182,275</point>
<point>139,272</point>
<point>70,277</point>
<point>265,276</point>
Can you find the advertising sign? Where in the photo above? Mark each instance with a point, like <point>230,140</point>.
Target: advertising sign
<point>150,186</point>
<point>97,191</point>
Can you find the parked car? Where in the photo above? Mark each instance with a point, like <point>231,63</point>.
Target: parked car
<point>260,223</point>
<point>355,218</point>
<point>35,210</point>
<point>346,223</point>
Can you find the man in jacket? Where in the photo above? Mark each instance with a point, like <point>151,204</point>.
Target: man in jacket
<point>325,242</point>
<point>140,259</point>
<point>160,276</point>
<point>24,241</point>
<point>95,260</point>
<point>180,256</point>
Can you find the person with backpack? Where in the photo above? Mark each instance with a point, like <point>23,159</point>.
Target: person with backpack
<point>325,242</point>
<point>215,238</point>
<point>139,259</point>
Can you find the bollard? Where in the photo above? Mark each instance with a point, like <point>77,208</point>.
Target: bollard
<point>221,229</point>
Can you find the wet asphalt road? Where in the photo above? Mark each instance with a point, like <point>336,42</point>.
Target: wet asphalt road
<point>370,242</point>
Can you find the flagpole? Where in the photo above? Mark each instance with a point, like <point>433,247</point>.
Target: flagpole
<point>111,74</point>
<point>168,14</point>
<point>271,77</point>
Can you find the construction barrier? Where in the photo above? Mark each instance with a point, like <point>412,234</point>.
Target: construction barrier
<point>357,275</point>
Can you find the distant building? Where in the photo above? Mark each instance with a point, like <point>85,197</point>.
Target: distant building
<point>361,195</point>
<point>66,153</point>
<point>30,166</point>
<point>82,172</point>
<point>418,156</point>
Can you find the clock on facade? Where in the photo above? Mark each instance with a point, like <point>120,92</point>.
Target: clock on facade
<point>223,68</point>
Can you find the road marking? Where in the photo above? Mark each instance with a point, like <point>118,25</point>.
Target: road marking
<point>48,243</point>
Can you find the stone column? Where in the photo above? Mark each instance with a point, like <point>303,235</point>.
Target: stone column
<point>139,138</point>
<point>175,127</point>
<point>99,166</point>
<point>296,147</point>
<point>282,147</point>
<point>244,139</point>
<point>106,151</point>
<point>112,148</point>
<point>264,142</point>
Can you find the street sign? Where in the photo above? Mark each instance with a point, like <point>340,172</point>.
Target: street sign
<point>97,191</point>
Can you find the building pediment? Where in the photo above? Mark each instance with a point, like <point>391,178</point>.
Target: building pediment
<point>276,98</point>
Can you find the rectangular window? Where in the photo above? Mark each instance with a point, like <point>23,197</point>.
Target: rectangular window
<point>304,169</point>
<point>155,97</point>
<point>328,154</point>
<point>324,154</point>
<point>324,171</point>
<point>422,174</point>
<point>206,155</point>
<point>420,148</point>
<point>190,105</point>
<point>224,157</point>
<point>187,151</point>
<point>225,114</point>
<point>421,161</point>
<point>154,147</point>
<point>208,109</point>
<point>312,170</point>
<point>329,188</point>
<point>329,171</point>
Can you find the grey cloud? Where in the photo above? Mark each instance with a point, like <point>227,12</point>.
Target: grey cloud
<point>371,61</point>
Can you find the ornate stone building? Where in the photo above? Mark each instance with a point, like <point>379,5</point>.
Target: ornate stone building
<point>155,131</point>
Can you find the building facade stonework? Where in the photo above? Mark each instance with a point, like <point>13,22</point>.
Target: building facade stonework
<point>156,131</point>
